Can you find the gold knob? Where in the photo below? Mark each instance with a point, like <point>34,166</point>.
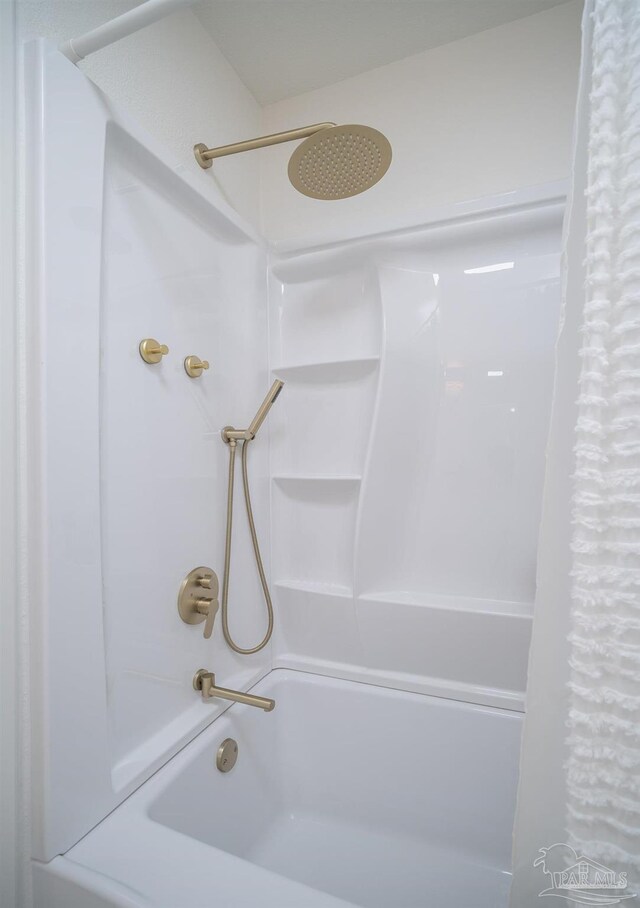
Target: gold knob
<point>151,351</point>
<point>194,366</point>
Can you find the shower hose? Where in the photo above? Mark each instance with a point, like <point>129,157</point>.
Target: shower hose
<point>256,548</point>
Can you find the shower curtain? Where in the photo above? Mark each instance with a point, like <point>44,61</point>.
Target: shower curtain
<point>577,831</point>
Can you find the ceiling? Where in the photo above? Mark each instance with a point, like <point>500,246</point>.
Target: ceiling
<point>282,48</point>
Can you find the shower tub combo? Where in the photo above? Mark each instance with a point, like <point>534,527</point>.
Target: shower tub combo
<point>386,773</point>
<point>345,794</point>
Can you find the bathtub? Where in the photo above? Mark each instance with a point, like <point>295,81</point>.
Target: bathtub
<point>345,794</point>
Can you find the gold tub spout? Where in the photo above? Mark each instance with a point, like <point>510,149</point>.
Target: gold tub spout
<point>206,682</point>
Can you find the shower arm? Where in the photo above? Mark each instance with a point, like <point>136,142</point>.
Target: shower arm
<point>205,156</point>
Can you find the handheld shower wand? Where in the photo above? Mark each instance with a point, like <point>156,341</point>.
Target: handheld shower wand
<point>231,437</point>
<point>230,434</point>
<point>265,406</point>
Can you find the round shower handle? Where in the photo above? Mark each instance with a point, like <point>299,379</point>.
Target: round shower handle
<point>193,606</point>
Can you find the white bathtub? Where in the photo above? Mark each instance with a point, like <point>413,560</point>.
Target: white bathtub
<point>345,794</point>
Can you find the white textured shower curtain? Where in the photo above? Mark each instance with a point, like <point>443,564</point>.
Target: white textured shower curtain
<point>580,768</point>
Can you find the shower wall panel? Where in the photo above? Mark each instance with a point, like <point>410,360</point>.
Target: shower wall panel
<point>129,473</point>
<point>172,270</point>
<point>410,444</point>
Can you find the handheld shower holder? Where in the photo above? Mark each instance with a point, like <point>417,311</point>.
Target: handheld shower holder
<point>230,435</point>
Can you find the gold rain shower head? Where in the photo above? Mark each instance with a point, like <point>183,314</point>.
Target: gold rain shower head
<point>335,162</point>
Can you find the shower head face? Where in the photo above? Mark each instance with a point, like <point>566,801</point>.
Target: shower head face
<point>339,162</point>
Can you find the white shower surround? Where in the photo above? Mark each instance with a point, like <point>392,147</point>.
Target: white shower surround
<point>407,450</point>
<point>198,273</point>
<point>127,469</point>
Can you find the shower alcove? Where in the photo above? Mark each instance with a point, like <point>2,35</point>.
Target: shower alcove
<point>403,470</point>
<point>408,452</point>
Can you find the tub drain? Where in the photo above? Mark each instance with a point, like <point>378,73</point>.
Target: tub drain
<point>227,755</point>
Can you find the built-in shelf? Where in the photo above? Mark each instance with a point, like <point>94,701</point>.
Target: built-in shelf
<point>284,478</point>
<point>322,425</point>
<point>455,603</point>
<point>313,530</point>
<point>329,369</point>
<point>315,586</point>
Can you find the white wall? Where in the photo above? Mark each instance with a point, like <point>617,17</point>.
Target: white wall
<point>120,247</point>
<point>482,116</point>
<point>172,78</point>
<point>12,757</point>
<point>175,82</point>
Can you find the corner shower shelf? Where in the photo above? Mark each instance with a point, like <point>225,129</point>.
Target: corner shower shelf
<point>451,603</point>
<point>327,369</point>
<point>285,478</point>
<point>315,586</point>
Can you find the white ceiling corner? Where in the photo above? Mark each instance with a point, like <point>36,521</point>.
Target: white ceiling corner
<point>282,48</point>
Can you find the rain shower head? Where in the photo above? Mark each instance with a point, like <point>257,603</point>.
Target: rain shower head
<point>334,162</point>
<point>339,162</point>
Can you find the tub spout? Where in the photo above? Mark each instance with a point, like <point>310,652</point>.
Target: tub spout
<point>206,682</point>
